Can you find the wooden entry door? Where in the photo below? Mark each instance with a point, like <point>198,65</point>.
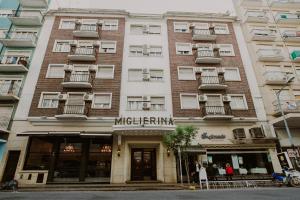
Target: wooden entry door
<point>11,166</point>
<point>143,164</point>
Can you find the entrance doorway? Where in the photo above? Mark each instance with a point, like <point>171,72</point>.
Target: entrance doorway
<point>143,164</point>
<point>11,165</point>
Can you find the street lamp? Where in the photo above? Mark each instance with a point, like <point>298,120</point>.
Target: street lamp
<point>282,113</point>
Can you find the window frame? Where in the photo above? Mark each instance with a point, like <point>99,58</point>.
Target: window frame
<point>102,93</point>
<point>104,65</point>
<point>132,96</point>
<point>189,94</point>
<point>57,41</point>
<point>155,80</point>
<point>176,31</point>
<point>186,67</point>
<point>227,32</point>
<point>66,19</point>
<point>110,29</point>
<point>232,54</point>
<point>53,64</point>
<point>181,43</point>
<point>112,41</point>
<point>155,53</point>
<point>136,55</point>
<point>244,99</point>
<point>164,105</point>
<point>42,97</point>
<point>135,69</point>
<point>238,73</point>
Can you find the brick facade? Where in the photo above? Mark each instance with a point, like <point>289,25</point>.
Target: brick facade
<point>99,85</point>
<point>191,86</point>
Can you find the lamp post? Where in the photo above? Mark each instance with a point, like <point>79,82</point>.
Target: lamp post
<point>282,113</point>
<point>180,166</point>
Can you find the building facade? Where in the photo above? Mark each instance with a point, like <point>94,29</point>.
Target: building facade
<point>271,30</point>
<point>19,27</point>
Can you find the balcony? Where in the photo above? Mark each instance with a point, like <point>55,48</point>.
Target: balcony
<point>251,2</point>
<point>216,112</point>
<point>86,30</point>
<point>77,80</point>
<point>27,18</point>
<point>82,54</point>
<point>291,36</point>
<point>275,77</point>
<point>14,64</point>
<point>72,112</point>
<point>19,39</point>
<point>269,55</point>
<point>212,83</point>
<point>9,90</point>
<point>263,35</point>
<point>288,106</point>
<point>256,16</point>
<point>204,35</point>
<point>295,56</point>
<point>34,3</point>
<point>208,56</point>
<point>287,18</point>
<point>284,3</point>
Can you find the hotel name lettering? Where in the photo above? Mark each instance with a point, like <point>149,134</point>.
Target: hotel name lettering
<point>144,121</point>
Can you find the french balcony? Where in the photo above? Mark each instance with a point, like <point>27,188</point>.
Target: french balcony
<point>291,36</point>
<point>208,56</point>
<point>26,18</point>
<point>276,77</point>
<point>9,90</point>
<point>257,17</point>
<point>269,55</point>
<point>263,35</point>
<point>212,83</point>
<point>19,39</point>
<point>251,2</point>
<point>77,80</point>
<point>216,112</point>
<point>287,106</point>
<point>82,54</point>
<point>34,3</point>
<point>284,3</point>
<point>86,30</point>
<point>204,35</point>
<point>14,64</point>
<point>287,18</point>
<point>295,56</point>
<point>72,112</point>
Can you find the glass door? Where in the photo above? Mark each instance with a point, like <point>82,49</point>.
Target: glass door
<point>143,164</point>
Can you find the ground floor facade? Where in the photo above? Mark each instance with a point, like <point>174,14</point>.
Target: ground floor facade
<point>82,152</point>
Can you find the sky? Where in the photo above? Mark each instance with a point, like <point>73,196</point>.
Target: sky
<point>151,6</point>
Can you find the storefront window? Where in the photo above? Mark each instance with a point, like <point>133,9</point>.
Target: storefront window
<point>38,156</point>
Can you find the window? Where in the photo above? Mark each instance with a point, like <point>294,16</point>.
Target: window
<point>156,75</point>
<point>49,100</point>
<point>155,51</point>
<point>105,71</point>
<point>110,25</point>
<point>183,48</point>
<point>232,74</point>
<point>154,29</point>
<point>221,28</point>
<point>186,73</point>
<point>102,101</point>
<point>136,50</point>
<point>238,102</point>
<point>135,75</point>
<point>182,27</point>
<point>61,46</point>
<point>189,101</point>
<point>157,103</point>
<point>137,29</point>
<point>67,24</point>
<point>108,47</point>
<point>134,103</point>
<point>226,50</point>
<point>55,71</point>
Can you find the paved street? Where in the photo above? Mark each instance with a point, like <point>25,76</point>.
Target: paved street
<point>256,194</point>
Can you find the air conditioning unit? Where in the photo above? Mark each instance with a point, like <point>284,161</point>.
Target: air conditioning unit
<point>146,77</point>
<point>93,68</point>
<point>239,133</point>
<point>146,106</point>
<point>88,97</point>
<point>146,98</point>
<point>68,68</point>
<point>62,97</point>
<point>226,98</point>
<point>192,25</point>
<point>197,69</point>
<point>257,132</point>
<point>202,98</point>
<point>100,22</point>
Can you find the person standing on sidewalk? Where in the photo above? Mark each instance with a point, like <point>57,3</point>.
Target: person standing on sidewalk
<point>229,172</point>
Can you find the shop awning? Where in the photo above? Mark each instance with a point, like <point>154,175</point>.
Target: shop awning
<point>291,118</point>
<point>65,133</point>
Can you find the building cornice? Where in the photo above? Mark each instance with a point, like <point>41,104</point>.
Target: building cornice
<point>200,16</point>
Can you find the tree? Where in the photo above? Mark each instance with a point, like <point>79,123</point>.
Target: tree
<point>181,138</point>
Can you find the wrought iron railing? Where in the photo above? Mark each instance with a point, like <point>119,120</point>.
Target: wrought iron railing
<point>203,32</point>
<point>207,53</point>
<point>211,80</point>
<point>10,87</point>
<point>74,109</point>
<point>82,51</point>
<point>79,77</point>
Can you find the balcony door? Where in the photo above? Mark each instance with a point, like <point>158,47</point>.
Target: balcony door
<point>75,104</point>
<point>10,86</point>
<point>80,73</point>
<point>214,104</point>
<point>209,76</point>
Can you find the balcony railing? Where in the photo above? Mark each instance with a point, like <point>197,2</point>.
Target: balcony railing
<point>256,16</point>
<point>276,77</point>
<point>34,3</point>
<point>82,54</point>
<point>289,18</point>
<point>86,30</point>
<point>208,56</point>
<point>14,64</point>
<point>288,106</point>
<point>74,109</point>
<point>26,17</point>
<point>269,55</point>
<point>79,77</point>
<point>82,79</point>
<point>291,36</point>
<point>204,34</point>
<point>216,112</point>
<point>212,82</point>
<point>263,34</point>
<point>9,89</point>
<point>19,39</point>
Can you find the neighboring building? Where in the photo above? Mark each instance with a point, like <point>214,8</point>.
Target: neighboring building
<point>20,25</point>
<point>271,30</point>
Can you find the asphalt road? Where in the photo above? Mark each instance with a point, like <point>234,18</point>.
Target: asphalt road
<point>246,194</point>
